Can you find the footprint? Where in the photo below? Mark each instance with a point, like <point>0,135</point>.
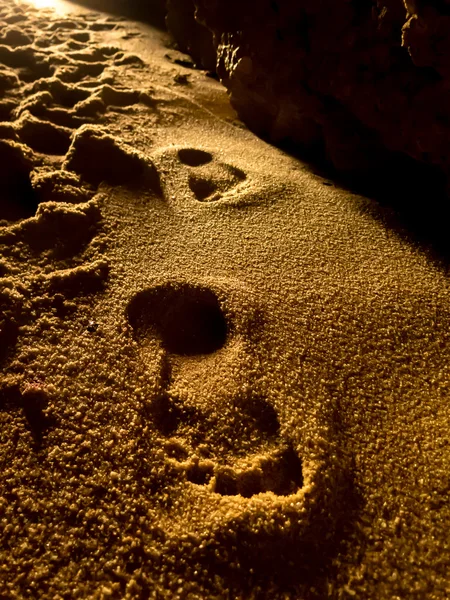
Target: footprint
<point>43,136</point>
<point>78,72</point>
<point>98,157</point>
<point>91,108</point>
<point>106,97</point>
<point>41,105</point>
<point>85,102</point>
<point>91,55</point>
<point>132,60</point>
<point>63,229</point>
<point>234,445</point>
<point>76,46</point>
<point>206,178</point>
<point>29,64</point>
<point>210,179</point>
<point>112,96</point>
<point>64,94</point>
<point>65,118</point>
<point>15,17</point>
<point>81,36</point>
<point>36,104</point>
<point>104,26</point>
<point>15,37</point>
<point>46,42</point>
<point>64,25</point>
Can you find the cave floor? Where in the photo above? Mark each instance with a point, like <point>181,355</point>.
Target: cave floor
<point>222,375</point>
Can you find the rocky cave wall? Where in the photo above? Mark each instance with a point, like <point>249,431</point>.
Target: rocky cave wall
<point>364,84</point>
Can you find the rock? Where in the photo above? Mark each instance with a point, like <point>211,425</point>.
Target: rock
<point>191,36</point>
<point>360,83</point>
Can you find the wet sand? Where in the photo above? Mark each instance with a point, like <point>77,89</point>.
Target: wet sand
<point>222,376</point>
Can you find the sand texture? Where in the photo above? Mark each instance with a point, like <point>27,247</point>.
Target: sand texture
<point>221,375</point>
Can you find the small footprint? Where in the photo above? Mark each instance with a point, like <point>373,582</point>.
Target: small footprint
<point>29,64</point>
<point>118,97</point>
<point>103,26</point>
<point>76,46</point>
<point>81,36</point>
<point>210,179</point>
<point>76,72</point>
<point>15,37</point>
<point>14,18</point>
<point>104,97</point>
<point>64,24</point>
<point>207,178</point>
<point>93,55</point>
<point>98,157</point>
<point>43,136</point>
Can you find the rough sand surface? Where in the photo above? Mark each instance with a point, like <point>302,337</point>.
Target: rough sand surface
<point>222,376</point>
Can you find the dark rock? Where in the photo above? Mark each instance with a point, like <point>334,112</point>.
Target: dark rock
<point>191,36</point>
<point>359,82</point>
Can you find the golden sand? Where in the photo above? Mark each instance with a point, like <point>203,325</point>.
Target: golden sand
<point>222,375</point>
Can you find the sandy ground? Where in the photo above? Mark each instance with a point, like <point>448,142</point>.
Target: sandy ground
<point>221,375</point>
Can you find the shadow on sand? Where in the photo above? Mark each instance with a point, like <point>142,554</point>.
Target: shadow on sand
<point>409,197</point>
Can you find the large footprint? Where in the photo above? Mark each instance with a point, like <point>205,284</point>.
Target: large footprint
<point>243,481</point>
<point>230,443</point>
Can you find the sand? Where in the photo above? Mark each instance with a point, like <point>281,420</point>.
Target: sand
<point>222,376</point>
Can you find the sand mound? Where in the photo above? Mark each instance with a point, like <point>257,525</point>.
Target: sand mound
<point>97,158</point>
